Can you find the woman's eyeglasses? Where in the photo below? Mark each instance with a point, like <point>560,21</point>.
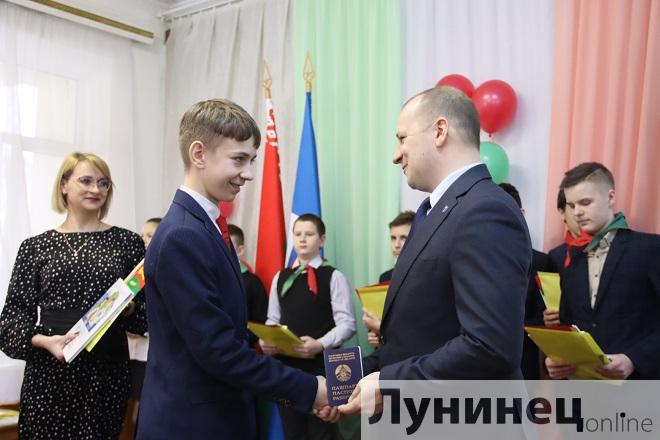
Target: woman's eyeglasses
<point>88,183</point>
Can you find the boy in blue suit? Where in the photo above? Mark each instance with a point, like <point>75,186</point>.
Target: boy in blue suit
<point>611,288</point>
<point>202,375</point>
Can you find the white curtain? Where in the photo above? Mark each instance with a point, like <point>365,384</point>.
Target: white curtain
<point>218,54</point>
<point>511,40</point>
<point>63,87</point>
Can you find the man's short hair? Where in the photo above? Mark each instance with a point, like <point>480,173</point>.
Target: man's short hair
<point>156,220</point>
<point>561,200</point>
<point>404,218</point>
<point>587,171</point>
<point>215,118</point>
<point>320,226</point>
<point>235,231</point>
<point>513,192</point>
<point>456,107</point>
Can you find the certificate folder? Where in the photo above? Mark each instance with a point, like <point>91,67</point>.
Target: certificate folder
<point>550,289</point>
<point>277,335</point>
<point>102,313</point>
<point>373,298</point>
<point>572,345</point>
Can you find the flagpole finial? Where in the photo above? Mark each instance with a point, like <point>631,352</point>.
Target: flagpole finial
<point>308,72</point>
<point>267,80</point>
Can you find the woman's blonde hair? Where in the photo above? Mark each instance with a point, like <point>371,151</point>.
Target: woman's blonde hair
<point>66,169</point>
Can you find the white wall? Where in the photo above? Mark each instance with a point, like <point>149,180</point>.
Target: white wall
<point>510,40</point>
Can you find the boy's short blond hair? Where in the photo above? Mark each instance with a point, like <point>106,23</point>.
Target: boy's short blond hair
<point>214,118</point>
<point>58,200</point>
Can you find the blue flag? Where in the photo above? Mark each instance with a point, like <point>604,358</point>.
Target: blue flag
<point>306,196</point>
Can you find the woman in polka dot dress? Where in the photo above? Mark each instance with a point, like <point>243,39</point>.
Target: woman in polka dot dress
<point>58,275</point>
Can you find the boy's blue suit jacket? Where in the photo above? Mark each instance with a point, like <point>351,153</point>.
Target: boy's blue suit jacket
<point>201,375</point>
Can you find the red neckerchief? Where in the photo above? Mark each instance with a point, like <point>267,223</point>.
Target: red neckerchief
<point>573,242</point>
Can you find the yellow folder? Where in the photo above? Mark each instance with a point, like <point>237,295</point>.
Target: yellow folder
<point>277,335</point>
<point>550,289</point>
<point>572,345</point>
<point>373,298</point>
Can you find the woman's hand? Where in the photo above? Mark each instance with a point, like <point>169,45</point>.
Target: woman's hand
<point>128,310</point>
<point>53,344</point>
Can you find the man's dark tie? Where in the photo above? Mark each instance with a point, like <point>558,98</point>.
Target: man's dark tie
<point>222,224</point>
<point>420,215</point>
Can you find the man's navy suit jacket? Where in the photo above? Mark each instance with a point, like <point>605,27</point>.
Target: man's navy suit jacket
<point>455,306</point>
<point>626,315</point>
<point>201,374</point>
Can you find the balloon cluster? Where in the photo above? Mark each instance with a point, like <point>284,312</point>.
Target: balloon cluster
<point>496,104</point>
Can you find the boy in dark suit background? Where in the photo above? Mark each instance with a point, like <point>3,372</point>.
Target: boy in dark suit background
<point>611,288</point>
<point>257,299</point>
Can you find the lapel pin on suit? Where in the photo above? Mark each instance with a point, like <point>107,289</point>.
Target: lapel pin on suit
<point>445,209</point>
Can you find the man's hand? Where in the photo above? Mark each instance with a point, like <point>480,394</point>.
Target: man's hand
<point>620,367</point>
<point>373,338</point>
<point>551,317</point>
<point>321,407</point>
<point>370,320</point>
<point>559,369</point>
<point>53,344</point>
<point>368,389</point>
<point>309,348</point>
<point>269,350</point>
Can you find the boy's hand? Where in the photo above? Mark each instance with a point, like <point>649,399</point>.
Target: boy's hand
<point>370,320</point>
<point>620,367</point>
<point>551,317</point>
<point>559,369</point>
<point>309,348</point>
<point>373,339</point>
<point>269,350</point>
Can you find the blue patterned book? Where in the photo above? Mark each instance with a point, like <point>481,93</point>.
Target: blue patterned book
<point>343,370</point>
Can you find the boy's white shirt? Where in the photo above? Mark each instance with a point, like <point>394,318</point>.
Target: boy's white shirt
<point>340,300</point>
<point>208,206</point>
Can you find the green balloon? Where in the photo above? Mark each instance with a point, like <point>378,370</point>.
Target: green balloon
<point>496,161</point>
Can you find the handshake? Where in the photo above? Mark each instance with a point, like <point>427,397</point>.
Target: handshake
<point>372,399</point>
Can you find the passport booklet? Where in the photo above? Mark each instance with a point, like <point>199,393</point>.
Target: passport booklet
<point>343,371</point>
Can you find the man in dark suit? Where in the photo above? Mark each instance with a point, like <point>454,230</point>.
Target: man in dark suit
<point>202,376</point>
<point>455,306</point>
<point>611,288</point>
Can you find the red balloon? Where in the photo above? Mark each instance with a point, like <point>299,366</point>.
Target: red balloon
<point>458,82</point>
<point>496,103</point>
